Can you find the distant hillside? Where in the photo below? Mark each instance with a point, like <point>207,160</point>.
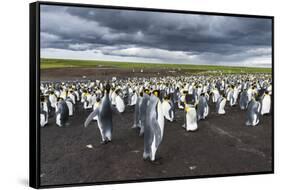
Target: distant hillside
<point>67,63</point>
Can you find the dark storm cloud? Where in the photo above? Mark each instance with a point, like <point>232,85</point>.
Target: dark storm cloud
<point>201,35</point>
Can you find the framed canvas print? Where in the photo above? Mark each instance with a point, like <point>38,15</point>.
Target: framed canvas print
<point>121,94</point>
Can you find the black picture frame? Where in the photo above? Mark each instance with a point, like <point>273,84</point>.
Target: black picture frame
<point>34,96</point>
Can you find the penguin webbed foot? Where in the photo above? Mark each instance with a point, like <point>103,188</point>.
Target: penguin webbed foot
<point>105,141</point>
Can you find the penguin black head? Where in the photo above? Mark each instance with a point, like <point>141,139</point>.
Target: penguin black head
<point>98,99</point>
<point>107,87</point>
<point>146,91</point>
<point>266,92</point>
<point>59,99</point>
<point>156,93</point>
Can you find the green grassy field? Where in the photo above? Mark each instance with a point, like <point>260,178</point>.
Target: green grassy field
<point>66,63</point>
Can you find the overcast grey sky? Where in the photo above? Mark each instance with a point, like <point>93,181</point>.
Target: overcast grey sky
<point>119,35</point>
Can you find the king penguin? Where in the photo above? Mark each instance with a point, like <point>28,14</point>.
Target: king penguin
<point>220,105</point>
<point>104,113</point>
<point>62,112</point>
<point>265,103</point>
<point>143,108</point>
<point>95,106</point>
<point>203,108</point>
<point>53,99</point>
<point>253,113</point>
<point>43,112</point>
<point>69,103</point>
<point>133,98</point>
<point>154,126</point>
<point>168,109</point>
<point>137,119</point>
<point>120,104</point>
<point>190,118</point>
<point>244,100</point>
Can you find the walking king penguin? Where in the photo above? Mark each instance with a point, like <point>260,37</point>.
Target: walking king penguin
<point>104,113</point>
<point>154,126</point>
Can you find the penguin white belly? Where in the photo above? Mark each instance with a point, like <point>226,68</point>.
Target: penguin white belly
<point>206,111</point>
<point>43,120</point>
<point>166,107</point>
<point>221,107</point>
<point>228,96</point>
<point>134,100</point>
<point>72,97</point>
<point>235,95</point>
<point>70,108</point>
<point>113,99</point>
<point>101,130</point>
<point>77,95</point>
<point>265,105</point>
<point>120,105</point>
<point>255,120</point>
<point>153,149</point>
<point>58,120</point>
<point>160,119</point>
<point>191,120</point>
<point>94,108</point>
<point>216,96</point>
<point>53,100</point>
<point>231,102</point>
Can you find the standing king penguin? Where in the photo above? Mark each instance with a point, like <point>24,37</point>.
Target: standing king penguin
<point>220,105</point>
<point>253,113</point>
<point>190,118</point>
<point>62,112</point>
<point>203,108</point>
<point>265,103</point>
<point>168,109</point>
<point>154,126</point>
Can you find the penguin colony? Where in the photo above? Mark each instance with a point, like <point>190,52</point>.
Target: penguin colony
<point>155,101</point>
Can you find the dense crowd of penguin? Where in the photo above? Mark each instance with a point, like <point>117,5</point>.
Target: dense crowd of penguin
<point>155,100</point>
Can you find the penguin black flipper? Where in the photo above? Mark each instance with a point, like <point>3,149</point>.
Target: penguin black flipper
<point>157,132</point>
<point>91,116</point>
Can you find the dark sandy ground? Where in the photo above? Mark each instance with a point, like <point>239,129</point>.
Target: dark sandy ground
<point>222,145</point>
<point>58,74</point>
